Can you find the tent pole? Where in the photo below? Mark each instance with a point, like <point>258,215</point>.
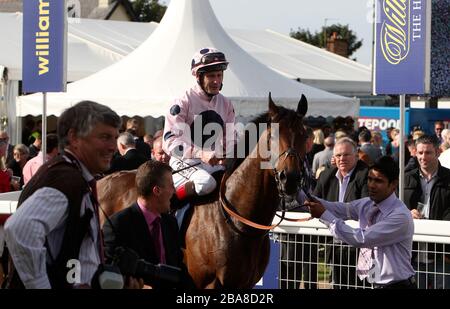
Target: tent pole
<point>44,128</point>
<point>401,153</point>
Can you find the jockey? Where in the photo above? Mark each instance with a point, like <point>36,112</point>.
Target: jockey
<point>188,137</point>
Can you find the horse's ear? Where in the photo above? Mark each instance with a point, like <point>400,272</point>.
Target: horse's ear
<point>273,109</point>
<point>302,106</point>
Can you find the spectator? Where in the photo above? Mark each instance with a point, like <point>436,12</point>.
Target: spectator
<point>35,147</point>
<point>317,145</point>
<point>129,158</point>
<point>148,139</point>
<point>158,152</point>
<point>323,158</point>
<point>373,152</point>
<point>32,166</point>
<point>145,226</point>
<point>438,128</point>
<point>377,141</point>
<point>385,229</point>
<point>445,136</point>
<point>21,154</point>
<point>9,156</point>
<point>344,183</point>
<point>5,177</point>
<point>133,127</point>
<point>392,146</point>
<point>412,162</point>
<point>427,196</point>
<point>57,217</point>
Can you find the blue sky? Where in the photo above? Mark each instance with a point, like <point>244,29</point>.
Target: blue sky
<point>284,15</point>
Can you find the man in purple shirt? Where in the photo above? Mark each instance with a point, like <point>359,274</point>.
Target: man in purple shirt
<point>385,229</point>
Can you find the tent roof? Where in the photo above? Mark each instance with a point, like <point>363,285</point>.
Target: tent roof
<point>149,78</point>
<point>92,44</point>
<point>302,61</point>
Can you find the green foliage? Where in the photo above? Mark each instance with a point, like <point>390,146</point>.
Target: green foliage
<point>318,38</point>
<point>149,10</point>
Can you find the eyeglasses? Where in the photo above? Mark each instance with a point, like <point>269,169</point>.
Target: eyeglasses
<point>4,139</point>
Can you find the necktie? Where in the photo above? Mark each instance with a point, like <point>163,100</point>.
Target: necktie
<point>157,239</point>
<point>366,254</point>
<point>95,204</point>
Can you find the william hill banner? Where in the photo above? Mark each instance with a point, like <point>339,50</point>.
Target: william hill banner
<point>44,45</point>
<point>402,47</point>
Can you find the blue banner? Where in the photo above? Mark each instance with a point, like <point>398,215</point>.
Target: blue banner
<point>270,278</point>
<point>402,47</point>
<point>44,46</point>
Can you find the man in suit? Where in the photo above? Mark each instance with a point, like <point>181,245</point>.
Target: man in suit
<point>129,158</point>
<point>145,226</point>
<point>344,183</point>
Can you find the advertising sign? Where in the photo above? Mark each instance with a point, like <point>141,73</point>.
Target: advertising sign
<point>402,47</point>
<point>44,54</point>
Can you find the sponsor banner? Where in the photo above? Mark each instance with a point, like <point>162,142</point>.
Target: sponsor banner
<point>401,62</point>
<point>44,46</point>
<point>378,123</point>
<point>271,275</point>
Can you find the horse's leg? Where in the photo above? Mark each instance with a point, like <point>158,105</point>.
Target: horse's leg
<point>216,284</point>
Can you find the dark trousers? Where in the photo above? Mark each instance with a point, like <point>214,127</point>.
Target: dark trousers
<point>299,260</point>
<point>344,260</point>
<point>406,284</point>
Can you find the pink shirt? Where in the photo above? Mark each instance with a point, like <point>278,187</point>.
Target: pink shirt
<point>32,166</point>
<point>149,218</point>
<point>184,111</point>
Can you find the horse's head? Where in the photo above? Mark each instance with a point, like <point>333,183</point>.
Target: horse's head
<point>288,146</point>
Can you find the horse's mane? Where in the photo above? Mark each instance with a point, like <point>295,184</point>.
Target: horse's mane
<point>284,115</point>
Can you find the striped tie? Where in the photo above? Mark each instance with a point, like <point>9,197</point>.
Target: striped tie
<point>366,254</point>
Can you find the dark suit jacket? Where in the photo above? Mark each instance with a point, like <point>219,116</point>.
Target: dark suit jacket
<point>10,157</point>
<point>439,196</point>
<point>130,161</point>
<point>328,185</point>
<point>373,152</point>
<point>131,230</point>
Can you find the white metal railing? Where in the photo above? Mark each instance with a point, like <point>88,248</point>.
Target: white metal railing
<point>310,258</point>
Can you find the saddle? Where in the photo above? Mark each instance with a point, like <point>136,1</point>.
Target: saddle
<point>196,201</point>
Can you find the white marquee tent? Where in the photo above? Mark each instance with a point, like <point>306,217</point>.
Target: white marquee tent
<point>148,79</point>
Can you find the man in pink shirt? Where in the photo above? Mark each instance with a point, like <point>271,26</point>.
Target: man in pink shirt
<point>199,126</point>
<point>35,163</point>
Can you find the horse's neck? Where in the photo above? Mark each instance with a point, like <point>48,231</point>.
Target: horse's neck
<point>251,189</point>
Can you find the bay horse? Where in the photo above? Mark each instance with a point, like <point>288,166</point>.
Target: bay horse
<point>222,251</point>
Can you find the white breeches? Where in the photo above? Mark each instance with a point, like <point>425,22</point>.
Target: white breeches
<point>200,174</point>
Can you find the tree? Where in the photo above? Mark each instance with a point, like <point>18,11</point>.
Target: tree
<point>149,10</point>
<point>317,39</point>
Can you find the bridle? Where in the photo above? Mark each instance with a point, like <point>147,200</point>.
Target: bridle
<point>279,176</point>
